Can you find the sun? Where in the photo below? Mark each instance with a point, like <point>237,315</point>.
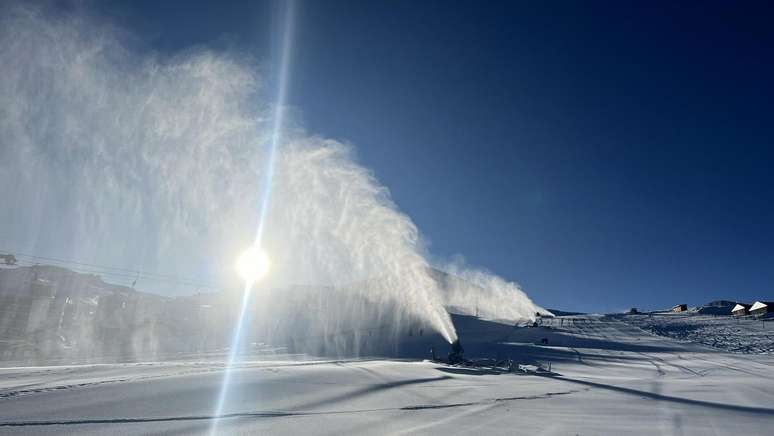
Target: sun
<point>252,265</point>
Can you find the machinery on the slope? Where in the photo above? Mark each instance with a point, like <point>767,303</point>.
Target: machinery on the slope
<point>456,355</point>
<point>8,259</point>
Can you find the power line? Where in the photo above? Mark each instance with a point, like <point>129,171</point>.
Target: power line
<point>126,273</point>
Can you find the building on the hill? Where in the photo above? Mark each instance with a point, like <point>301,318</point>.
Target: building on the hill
<point>717,307</point>
<point>741,309</point>
<point>633,311</point>
<point>721,303</point>
<point>680,308</point>
<point>760,308</point>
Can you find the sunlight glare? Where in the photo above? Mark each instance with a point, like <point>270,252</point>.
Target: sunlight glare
<point>252,265</point>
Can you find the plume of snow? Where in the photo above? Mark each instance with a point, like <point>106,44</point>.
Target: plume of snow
<point>117,156</point>
<point>151,163</point>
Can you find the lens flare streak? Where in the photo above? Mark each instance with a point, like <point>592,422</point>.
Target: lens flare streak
<point>276,137</point>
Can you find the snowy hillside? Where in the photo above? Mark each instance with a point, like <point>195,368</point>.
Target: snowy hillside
<point>52,315</point>
<point>746,335</point>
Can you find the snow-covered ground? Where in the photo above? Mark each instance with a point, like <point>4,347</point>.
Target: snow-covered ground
<point>611,377</point>
<point>737,335</point>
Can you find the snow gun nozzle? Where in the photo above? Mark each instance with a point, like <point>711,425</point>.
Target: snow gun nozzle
<point>456,353</point>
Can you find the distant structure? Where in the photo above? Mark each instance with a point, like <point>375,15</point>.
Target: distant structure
<point>761,308</point>
<point>680,308</point>
<point>633,311</point>
<point>721,303</point>
<point>717,307</point>
<point>8,259</point>
<point>741,309</point>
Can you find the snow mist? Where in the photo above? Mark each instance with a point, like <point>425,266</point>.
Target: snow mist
<point>114,156</point>
<point>155,164</point>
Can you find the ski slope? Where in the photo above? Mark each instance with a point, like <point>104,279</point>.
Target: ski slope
<point>608,377</point>
<point>738,335</point>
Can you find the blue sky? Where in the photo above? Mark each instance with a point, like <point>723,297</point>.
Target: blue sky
<point>602,155</point>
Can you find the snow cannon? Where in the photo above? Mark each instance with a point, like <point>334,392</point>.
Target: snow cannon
<point>456,353</point>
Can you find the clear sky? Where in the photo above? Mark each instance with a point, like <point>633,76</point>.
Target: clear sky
<point>604,155</point>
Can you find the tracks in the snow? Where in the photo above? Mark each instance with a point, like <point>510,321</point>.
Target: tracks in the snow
<point>282,414</point>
